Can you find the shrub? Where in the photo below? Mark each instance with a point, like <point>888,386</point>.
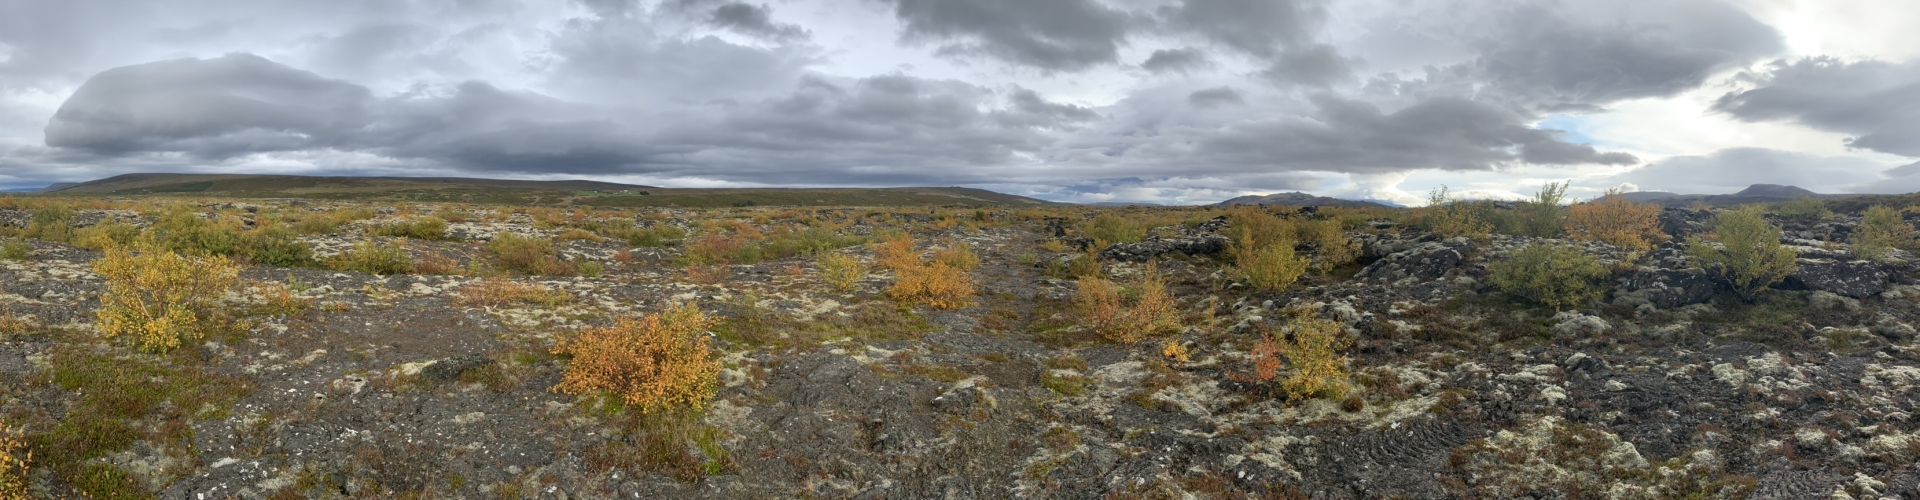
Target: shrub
<point>1881,229</point>
<point>1452,219</point>
<point>374,258</point>
<point>1744,251</point>
<point>1543,217</point>
<point>1617,221</point>
<point>276,246</point>
<point>528,255</point>
<point>936,285</point>
<point>1804,209</point>
<point>1332,246</point>
<point>718,250</point>
<point>959,256</point>
<point>499,292</point>
<point>1312,346</point>
<point>106,235</point>
<point>658,364</point>
<point>1131,314</point>
<point>1115,229</point>
<point>51,223</point>
<point>185,232</point>
<point>1555,275</point>
<point>423,228</point>
<point>16,250</point>
<point>656,236</point>
<point>160,298</point>
<point>14,460</point>
<point>896,252</point>
<point>1267,269</point>
<point>840,270</point>
<point>1255,228</point>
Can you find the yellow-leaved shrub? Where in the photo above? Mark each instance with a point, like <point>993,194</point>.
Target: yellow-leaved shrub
<point>937,285</point>
<point>1617,221</point>
<point>159,298</point>
<point>1130,314</point>
<point>1312,346</point>
<point>658,364</point>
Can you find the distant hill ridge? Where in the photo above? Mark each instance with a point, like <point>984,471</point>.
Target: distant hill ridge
<point>510,191</point>
<point>1757,193</point>
<point>1299,199</point>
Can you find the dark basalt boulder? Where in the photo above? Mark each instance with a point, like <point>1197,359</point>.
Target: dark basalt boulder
<point>1142,251</point>
<point>1426,261</point>
<point>1680,223</point>
<point>1852,278</point>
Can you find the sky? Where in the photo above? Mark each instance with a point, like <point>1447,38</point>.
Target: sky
<point>1162,101</point>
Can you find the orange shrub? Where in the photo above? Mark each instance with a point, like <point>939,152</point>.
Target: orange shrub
<point>896,253</point>
<point>498,291</point>
<point>656,364</point>
<point>1131,314</point>
<point>1617,221</point>
<point>937,285</point>
<point>1313,348</point>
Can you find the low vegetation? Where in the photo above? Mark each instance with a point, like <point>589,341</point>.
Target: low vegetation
<point>1617,221</point>
<point>659,363</point>
<point>1555,275</point>
<point>158,299</point>
<point>1744,251</point>
<point>1140,310</point>
<point>1881,230</point>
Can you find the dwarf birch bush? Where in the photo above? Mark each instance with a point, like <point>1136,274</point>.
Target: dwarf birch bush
<point>159,298</point>
<point>840,270</point>
<point>1556,275</point>
<point>936,285</point>
<point>1744,251</point>
<point>1130,314</point>
<point>658,364</point>
<point>1312,347</point>
<point>1617,221</point>
<point>1881,229</point>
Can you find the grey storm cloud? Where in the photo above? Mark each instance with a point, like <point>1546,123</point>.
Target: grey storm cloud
<point>243,104</point>
<point>1175,60</point>
<point>1877,102</point>
<point>1258,27</point>
<point>1063,35</point>
<point>1217,96</point>
<point>231,105</point>
<point>1547,56</point>
<point>1357,137</point>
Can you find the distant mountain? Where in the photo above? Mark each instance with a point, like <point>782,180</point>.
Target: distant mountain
<point>1299,199</point>
<point>56,187</point>
<point>1757,193</point>
<point>1123,204</point>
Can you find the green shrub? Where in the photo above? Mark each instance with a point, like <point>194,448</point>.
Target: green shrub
<point>1450,219</point>
<point>276,246</point>
<point>1744,251</point>
<point>16,250</point>
<point>1556,275</point>
<point>1804,209</point>
<point>528,255</point>
<point>656,236</point>
<point>1115,229</point>
<point>1543,217</point>
<point>423,228</point>
<point>374,258</point>
<point>840,270</point>
<point>185,232</point>
<point>52,223</point>
<point>1881,229</point>
<point>106,235</point>
<point>1267,269</point>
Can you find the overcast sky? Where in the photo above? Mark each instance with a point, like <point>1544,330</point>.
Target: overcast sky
<point>1171,101</point>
